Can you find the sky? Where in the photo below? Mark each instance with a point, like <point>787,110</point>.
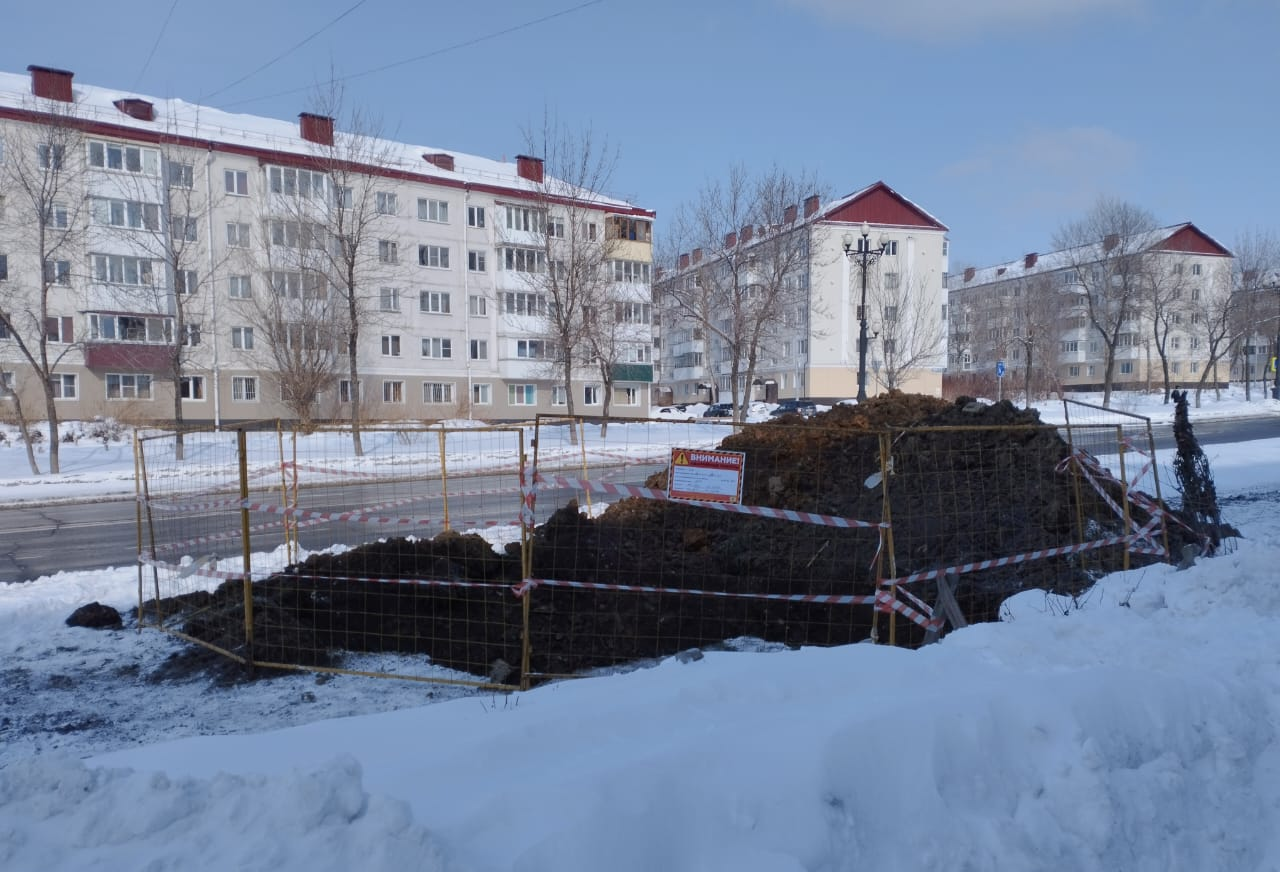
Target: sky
<point>1003,118</point>
<point>1122,729</point>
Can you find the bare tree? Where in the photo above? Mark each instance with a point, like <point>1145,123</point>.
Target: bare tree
<point>41,183</point>
<point>565,252</point>
<point>1256,274</point>
<point>303,327</point>
<point>1107,252</point>
<point>333,219</point>
<point>1214,322</point>
<point>911,330</point>
<point>739,294</point>
<point>1166,298</point>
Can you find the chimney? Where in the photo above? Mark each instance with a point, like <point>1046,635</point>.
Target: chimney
<point>1110,241</point>
<point>684,261</point>
<point>789,215</point>
<point>316,128</point>
<point>136,108</point>
<point>968,273</point>
<point>746,233</point>
<point>1000,271</point>
<point>697,255</point>
<point>810,205</point>
<point>440,159</point>
<point>730,240</point>
<point>529,167</point>
<point>1030,260</point>
<point>50,83</point>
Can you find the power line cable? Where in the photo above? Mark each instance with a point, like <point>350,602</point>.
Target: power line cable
<point>155,45</point>
<point>286,52</point>
<point>431,54</point>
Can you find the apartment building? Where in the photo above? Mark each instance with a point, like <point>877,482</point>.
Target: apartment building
<point>1159,297</point>
<point>173,253</point>
<point>812,293</point>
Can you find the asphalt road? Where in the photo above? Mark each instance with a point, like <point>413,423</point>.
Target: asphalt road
<point>36,541</point>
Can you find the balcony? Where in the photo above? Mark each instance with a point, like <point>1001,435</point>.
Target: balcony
<point>633,372</point>
<point>128,356</point>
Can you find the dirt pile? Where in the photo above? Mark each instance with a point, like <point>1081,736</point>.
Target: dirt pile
<point>992,485</point>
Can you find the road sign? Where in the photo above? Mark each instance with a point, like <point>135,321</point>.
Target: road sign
<point>710,476</point>
<point>999,369</point>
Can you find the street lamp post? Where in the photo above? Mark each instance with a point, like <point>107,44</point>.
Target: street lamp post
<point>863,255</point>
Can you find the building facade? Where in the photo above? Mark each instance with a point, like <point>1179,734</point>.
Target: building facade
<point>152,247</point>
<point>1161,299</point>
<point>809,330</point>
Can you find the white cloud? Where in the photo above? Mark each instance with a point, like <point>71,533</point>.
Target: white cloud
<point>938,19</point>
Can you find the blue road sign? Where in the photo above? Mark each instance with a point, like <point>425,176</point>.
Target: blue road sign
<point>999,369</point>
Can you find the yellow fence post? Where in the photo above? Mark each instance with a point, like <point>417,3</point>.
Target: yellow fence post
<point>444,479</point>
<point>242,448</point>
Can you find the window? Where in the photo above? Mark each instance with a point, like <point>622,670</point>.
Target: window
<point>435,393</point>
<point>344,390</point>
<point>393,392</point>
<point>1175,343</point>
<point>479,349</point>
<point>389,299</point>
<point>238,288</point>
<point>1071,345</point>
<point>237,235</point>
<point>630,271</point>
<point>130,328</point>
<point>476,261</point>
<point>591,395</point>
<point>437,347</point>
<point>308,285</point>
<point>343,197</point>
<point>433,210</point>
<point>591,231</point>
<point>236,182</point>
<point>888,346</point>
<point>185,281</point>
<point>49,157</point>
<point>127,158</point>
<point>634,229</point>
<point>475,216</point>
<point>6,383</point>
<point>626,396</point>
<point>633,313</point>
<point>1195,269</point>
<point>181,175</point>
<point>555,228</point>
<point>64,386</point>
<point>533,349</point>
<point>890,314</point>
<point>1177,368</point>
<point>384,202</point>
<point>528,260</point>
<point>1195,294</point>
<point>58,330</point>
<point>244,388</point>
<point>191,334</point>
<point>891,281</point>
<point>57,272</point>
<point>1195,366</point>
<point>522,303</point>
<point>434,256</point>
<point>57,216</point>
<point>477,305</point>
<point>296,183</point>
<point>388,251</point>
<point>1195,342</point>
<point>191,387</point>
<point>434,302</point>
<point>1126,367</point>
<point>522,395</point>
<point>4,267</point>
<point>296,234</point>
<point>124,213</point>
<point>242,338</point>
<point>126,386</point>
<point>1073,371</point>
<point>481,394</point>
<point>391,346</point>
<point>559,395</point>
<point>524,218</point>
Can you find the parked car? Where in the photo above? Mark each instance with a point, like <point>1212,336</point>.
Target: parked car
<point>803,408</point>
<point>719,410</point>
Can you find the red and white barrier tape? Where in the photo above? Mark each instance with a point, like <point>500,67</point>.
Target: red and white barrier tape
<point>420,582</point>
<point>758,511</point>
<point>199,570</point>
<point>529,584</point>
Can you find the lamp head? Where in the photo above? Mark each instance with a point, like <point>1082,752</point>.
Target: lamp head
<point>866,229</point>
<point>847,239</point>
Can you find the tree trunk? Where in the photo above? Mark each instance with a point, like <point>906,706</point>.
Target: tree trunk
<point>51,414</point>
<point>353,335</point>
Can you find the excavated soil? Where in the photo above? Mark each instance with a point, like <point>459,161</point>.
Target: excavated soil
<point>956,496</point>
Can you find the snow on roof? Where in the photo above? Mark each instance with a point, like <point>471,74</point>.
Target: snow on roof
<point>1069,257</point>
<point>177,117</point>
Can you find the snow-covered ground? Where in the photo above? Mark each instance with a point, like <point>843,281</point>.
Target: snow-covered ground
<point>1133,728</point>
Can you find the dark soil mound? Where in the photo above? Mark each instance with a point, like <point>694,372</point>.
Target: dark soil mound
<point>960,495</point>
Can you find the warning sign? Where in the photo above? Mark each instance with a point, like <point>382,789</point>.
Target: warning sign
<point>709,476</point>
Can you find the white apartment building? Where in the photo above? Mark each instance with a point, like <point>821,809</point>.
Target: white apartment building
<point>1033,315</point>
<point>810,348</point>
<point>180,229</point>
